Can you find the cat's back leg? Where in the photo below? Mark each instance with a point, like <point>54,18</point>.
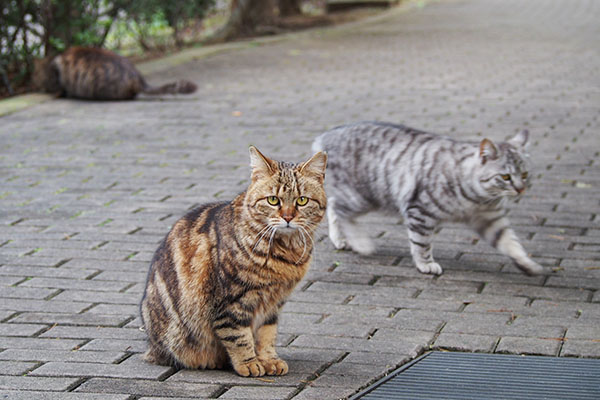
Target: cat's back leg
<point>421,229</point>
<point>173,339</point>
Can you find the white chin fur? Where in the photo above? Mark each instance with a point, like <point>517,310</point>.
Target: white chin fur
<point>286,229</point>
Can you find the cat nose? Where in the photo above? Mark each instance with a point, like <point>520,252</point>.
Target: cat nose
<point>287,215</point>
<point>520,189</point>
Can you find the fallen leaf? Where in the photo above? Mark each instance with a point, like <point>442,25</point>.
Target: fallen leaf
<point>265,380</point>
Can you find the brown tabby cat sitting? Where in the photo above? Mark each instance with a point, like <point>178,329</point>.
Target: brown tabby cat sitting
<point>97,74</point>
<point>218,280</point>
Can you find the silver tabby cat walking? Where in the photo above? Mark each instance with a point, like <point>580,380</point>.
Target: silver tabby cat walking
<point>427,178</point>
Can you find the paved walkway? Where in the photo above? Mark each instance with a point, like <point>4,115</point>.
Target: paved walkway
<point>88,189</point>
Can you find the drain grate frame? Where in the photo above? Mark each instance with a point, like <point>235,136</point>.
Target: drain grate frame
<point>475,376</point>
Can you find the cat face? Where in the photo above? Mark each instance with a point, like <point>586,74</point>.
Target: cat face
<point>287,198</point>
<point>504,167</point>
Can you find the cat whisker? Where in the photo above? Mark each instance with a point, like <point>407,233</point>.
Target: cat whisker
<point>265,231</point>
<point>301,230</point>
<point>259,235</point>
<point>271,240</point>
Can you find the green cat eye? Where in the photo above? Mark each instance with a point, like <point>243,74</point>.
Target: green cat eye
<point>524,175</point>
<point>273,200</point>
<point>506,177</point>
<point>301,201</point>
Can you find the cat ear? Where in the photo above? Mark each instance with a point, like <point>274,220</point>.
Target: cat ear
<point>520,139</point>
<point>487,150</point>
<point>315,166</point>
<point>261,165</point>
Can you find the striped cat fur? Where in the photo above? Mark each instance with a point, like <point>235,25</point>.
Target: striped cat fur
<point>97,74</point>
<point>219,278</point>
<point>428,179</point>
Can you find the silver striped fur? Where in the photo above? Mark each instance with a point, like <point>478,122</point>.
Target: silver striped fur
<point>428,179</point>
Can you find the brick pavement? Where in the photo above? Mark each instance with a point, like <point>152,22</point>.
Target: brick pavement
<point>89,188</point>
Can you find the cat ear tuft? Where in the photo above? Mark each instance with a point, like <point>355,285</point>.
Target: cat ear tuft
<point>315,166</point>
<point>487,151</point>
<point>261,165</point>
<point>520,139</point>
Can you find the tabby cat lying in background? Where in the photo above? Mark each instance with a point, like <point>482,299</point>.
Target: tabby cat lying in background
<point>428,179</point>
<point>218,280</point>
<point>97,74</point>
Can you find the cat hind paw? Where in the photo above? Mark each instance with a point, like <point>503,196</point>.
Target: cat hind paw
<point>362,246</point>
<point>530,267</point>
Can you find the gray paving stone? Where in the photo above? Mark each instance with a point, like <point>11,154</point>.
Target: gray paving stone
<point>527,345</point>
<point>588,332</point>
<point>173,398</point>
<point>259,393</point>
<point>25,293</point>
<point>5,315</point>
<point>43,395</point>
<point>345,330</point>
<point>63,283</point>
<point>538,292</point>
<point>466,342</point>
<point>26,271</point>
<point>473,299</point>
<point>98,297</point>
<point>119,310</point>
<point>37,343</point>
<point>349,344</point>
<point>230,378</point>
<point>15,367</point>
<point>21,329</point>
<point>35,383</point>
<point>147,388</point>
<point>408,303</point>
<point>580,348</point>
<point>85,332</point>
<point>10,280</point>
<point>77,369</point>
<point>41,355</point>
<point>71,319</point>
<point>51,306</point>
<point>136,346</point>
<point>308,354</point>
<point>324,393</point>
<point>419,283</point>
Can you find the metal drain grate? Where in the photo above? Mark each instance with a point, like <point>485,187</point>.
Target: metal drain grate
<point>462,376</point>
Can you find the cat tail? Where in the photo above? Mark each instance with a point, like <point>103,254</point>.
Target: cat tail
<point>182,86</point>
<point>317,144</point>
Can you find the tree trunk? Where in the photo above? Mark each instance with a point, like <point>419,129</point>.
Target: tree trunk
<point>288,8</point>
<point>246,16</point>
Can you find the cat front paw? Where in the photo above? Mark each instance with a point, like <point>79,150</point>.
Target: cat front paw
<point>275,366</point>
<point>429,268</point>
<point>362,246</point>
<point>250,368</point>
<point>338,242</point>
